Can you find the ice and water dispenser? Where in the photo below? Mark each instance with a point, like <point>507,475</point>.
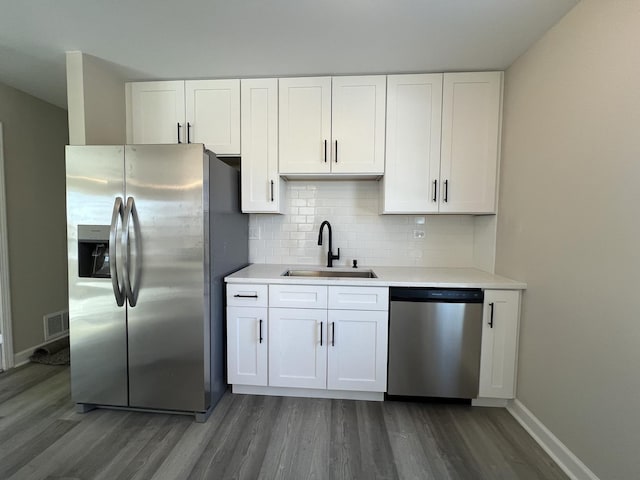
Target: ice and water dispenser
<point>93,251</point>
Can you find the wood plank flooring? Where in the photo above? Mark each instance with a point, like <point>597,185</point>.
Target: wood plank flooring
<point>251,437</point>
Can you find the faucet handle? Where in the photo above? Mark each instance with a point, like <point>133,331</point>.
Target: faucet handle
<point>336,257</point>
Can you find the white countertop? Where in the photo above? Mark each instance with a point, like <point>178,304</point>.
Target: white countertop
<point>386,276</point>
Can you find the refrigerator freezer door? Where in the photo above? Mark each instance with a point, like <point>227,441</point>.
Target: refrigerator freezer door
<point>168,268</point>
<point>95,179</point>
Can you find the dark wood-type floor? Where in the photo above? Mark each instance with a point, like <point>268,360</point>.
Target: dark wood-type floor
<point>249,437</point>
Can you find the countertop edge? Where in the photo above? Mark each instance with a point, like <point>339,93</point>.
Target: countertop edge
<point>271,274</point>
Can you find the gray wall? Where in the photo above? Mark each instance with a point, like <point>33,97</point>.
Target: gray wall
<point>569,225</point>
<point>35,134</point>
<point>96,101</point>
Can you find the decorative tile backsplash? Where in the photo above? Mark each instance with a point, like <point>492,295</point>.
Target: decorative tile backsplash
<point>358,230</point>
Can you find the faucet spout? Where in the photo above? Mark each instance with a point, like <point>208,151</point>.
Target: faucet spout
<point>330,256</point>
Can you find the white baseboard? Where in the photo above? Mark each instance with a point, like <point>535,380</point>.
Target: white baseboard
<point>558,451</point>
<point>22,358</point>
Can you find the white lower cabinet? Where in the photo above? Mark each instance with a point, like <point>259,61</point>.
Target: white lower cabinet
<point>499,343</point>
<point>247,335</point>
<point>298,347</point>
<point>338,341</point>
<point>328,349</point>
<point>309,348</point>
<point>357,350</point>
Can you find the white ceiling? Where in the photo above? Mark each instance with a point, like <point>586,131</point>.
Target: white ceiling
<point>160,39</point>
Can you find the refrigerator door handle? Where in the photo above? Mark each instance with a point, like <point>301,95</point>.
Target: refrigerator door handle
<point>118,291</point>
<point>131,213</point>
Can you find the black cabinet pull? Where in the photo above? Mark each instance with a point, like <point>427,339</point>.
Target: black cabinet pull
<point>333,334</point>
<point>446,190</point>
<point>435,190</point>
<point>491,317</point>
<point>237,295</point>
<point>336,151</point>
<point>321,323</point>
<point>260,334</point>
<point>325,151</point>
<point>179,127</point>
<point>188,132</point>
<point>272,190</point>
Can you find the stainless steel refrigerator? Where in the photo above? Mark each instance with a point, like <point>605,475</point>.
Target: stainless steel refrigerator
<point>151,232</point>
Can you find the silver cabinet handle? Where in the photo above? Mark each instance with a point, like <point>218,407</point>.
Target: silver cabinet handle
<point>118,291</point>
<point>131,213</point>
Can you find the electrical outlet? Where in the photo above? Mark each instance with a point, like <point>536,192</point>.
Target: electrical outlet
<point>418,234</point>
<point>254,233</point>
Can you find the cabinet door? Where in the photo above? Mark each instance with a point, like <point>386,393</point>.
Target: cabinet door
<point>470,136</point>
<point>213,114</point>
<point>297,348</point>
<point>157,112</point>
<point>499,343</point>
<point>262,188</point>
<point>412,171</point>
<point>357,357</point>
<point>247,345</point>
<point>358,124</point>
<point>305,125</point>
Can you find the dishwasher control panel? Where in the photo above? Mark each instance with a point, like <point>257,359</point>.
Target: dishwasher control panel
<point>453,295</point>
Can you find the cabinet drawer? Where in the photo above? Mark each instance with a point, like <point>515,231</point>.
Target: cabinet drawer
<point>298,296</point>
<point>246,295</point>
<point>359,298</point>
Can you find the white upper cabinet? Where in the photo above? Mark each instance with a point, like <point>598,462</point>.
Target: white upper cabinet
<point>213,114</point>
<point>443,133</point>
<point>357,124</point>
<point>332,125</point>
<point>199,111</point>
<point>471,107</point>
<point>157,112</point>
<point>412,173</point>
<point>263,191</point>
<point>305,125</point>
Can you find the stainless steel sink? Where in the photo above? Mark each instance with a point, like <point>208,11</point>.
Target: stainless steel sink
<point>330,273</point>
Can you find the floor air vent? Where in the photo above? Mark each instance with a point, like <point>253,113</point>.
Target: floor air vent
<point>56,324</point>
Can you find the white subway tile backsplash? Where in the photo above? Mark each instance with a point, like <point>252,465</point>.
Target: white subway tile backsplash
<point>352,209</point>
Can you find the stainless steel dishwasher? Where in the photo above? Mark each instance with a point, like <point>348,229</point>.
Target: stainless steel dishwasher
<point>434,342</point>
